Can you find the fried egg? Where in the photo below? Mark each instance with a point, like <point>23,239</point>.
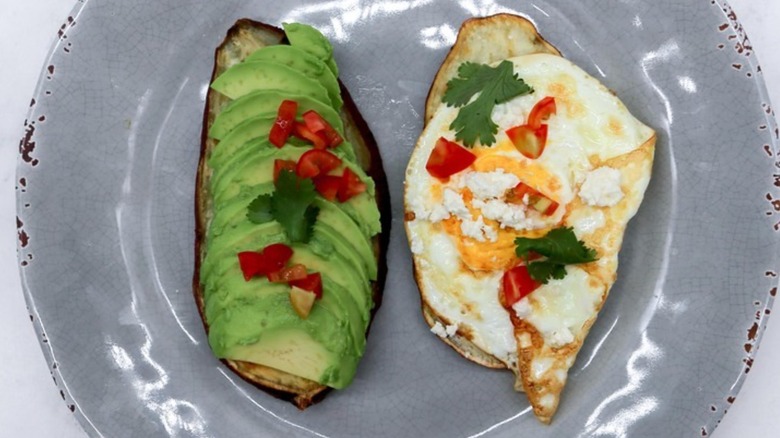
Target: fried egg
<point>596,165</point>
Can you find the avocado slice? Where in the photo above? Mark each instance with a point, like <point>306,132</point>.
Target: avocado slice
<point>266,102</point>
<point>233,213</point>
<point>245,237</point>
<point>243,78</point>
<point>348,238</point>
<point>322,230</point>
<point>230,286</point>
<point>321,257</point>
<point>263,329</point>
<point>334,216</point>
<point>313,41</point>
<point>227,153</point>
<point>256,167</point>
<point>304,62</point>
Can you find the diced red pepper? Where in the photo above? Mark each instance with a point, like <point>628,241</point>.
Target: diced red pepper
<point>516,284</point>
<point>522,189</point>
<point>316,162</point>
<point>536,199</point>
<point>280,165</point>
<point>541,112</point>
<point>327,186</point>
<point>545,206</point>
<point>448,158</point>
<point>529,141</point>
<point>314,121</point>
<point>300,130</point>
<point>350,185</point>
<point>290,273</point>
<point>312,283</point>
<point>283,126</point>
<point>321,127</point>
<point>271,259</point>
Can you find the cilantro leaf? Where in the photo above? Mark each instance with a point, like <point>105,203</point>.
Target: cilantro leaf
<point>259,210</point>
<point>544,270</point>
<point>476,123</point>
<point>495,84</point>
<point>560,244</point>
<point>560,247</point>
<point>290,205</point>
<point>470,81</point>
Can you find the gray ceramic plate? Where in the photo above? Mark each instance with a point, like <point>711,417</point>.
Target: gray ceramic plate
<point>105,205</point>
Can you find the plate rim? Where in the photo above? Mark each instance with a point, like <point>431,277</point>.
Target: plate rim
<point>91,429</point>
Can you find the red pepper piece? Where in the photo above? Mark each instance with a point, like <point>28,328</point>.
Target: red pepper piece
<point>312,283</point>
<point>516,284</point>
<point>283,126</point>
<point>448,158</point>
<point>327,186</point>
<point>272,258</point>
<point>350,185</point>
<point>316,162</point>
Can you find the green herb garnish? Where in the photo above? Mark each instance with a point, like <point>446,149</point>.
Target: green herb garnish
<point>290,205</point>
<point>496,84</point>
<point>560,247</point>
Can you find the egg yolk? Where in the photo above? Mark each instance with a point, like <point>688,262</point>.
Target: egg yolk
<point>499,255</point>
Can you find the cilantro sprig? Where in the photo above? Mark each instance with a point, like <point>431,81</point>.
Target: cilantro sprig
<point>496,84</point>
<point>560,247</point>
<point>290,205</point>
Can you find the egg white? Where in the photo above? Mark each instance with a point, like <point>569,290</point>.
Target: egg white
<point>591,126</point>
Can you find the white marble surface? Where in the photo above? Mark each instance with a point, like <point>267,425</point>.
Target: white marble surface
<point>30,406</point>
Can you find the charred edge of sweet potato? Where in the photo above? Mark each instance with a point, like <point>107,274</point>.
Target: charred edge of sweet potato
<point>302,400</point>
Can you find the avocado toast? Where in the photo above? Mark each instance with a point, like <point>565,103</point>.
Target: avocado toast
<point>292,215</point>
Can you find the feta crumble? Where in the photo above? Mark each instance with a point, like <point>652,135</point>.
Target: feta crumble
<point>508,215</point>
<point>478,230</point>
<point>442,331</point>
<point>489,185</point>
<point>439,330</point>
<point>602,187</point>
<point>438,214</point>
<point>451,329</point>
<point>454,204</point>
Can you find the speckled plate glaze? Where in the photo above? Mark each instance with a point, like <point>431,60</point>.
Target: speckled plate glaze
<point>105,207</point>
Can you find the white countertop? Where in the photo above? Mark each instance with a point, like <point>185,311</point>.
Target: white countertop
<point>31,405</point>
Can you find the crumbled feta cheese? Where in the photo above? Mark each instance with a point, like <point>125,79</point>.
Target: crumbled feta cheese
<point>454,204</point>
<point>602,187</point>
<point>522,308</point>
<point>561,337</point>
<point>439,330</point>
<point>478,230</point>
<point>451,330</point>
<point>490,185</point>
<point>508,215</point>
<point>439,213</point>
<point>442,331</point>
